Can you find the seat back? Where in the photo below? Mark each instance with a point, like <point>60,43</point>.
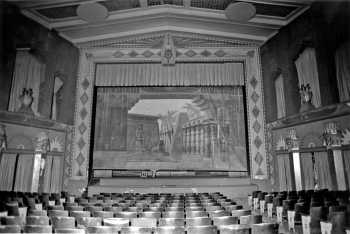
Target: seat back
<point>205,229</point>
<point>234,229</point>
<point>198,221</point>
<point>37,220</point>
<point>63,222</point>
<point>136,230</point>
<point>70,231</point>
<point>178,222</point>
<point>225,220</point>
<point>10,229</point>
<point>169,230</point>
<point>89,221</point>
<point>265,228</point>
<point>37,229</point>
<point>144,222</point>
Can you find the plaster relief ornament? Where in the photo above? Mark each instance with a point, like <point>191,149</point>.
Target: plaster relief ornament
<point>281,144</point>
<point>168,51</point>
<point>306,98</point>
<point>42,142</point>
<point>292,140</point>
<point>26,100</point>
<point>331,136</point>
<point>3,137</point>
<point>56,144</point>
<point>345,139</point>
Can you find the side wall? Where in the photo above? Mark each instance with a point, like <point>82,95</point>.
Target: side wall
<point>325,26</point>
<point>59,56</point>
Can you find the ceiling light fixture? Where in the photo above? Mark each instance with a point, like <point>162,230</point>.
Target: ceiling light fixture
<point>240,11</point>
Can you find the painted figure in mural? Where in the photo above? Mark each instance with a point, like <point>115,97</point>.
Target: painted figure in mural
<point>140,140</point>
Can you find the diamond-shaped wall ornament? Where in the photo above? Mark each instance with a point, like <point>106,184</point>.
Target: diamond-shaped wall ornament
<point>256,126</point>
<point>257,142</point>
<point>118,54</point>
<point>148,53</point>
<point>133,54</point>
<point>80,159</point>
<point>255,111</point>
<point>258,158</point>
<point>85,83</point>
<point>81,143</point>
<point>190,53</point>
<point>83,113</point>
<point>206,53</point>
<point>82,128</point>
<point>220,53</point>
<point>255,97</point>
<point>84,98</point>
<point>253,82</point>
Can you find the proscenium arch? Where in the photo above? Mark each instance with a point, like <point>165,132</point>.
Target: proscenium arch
<point>99,52</point>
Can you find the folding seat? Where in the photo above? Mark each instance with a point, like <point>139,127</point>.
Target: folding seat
<point>92,209</point>
<point>144,222</point>
<point>230,208</point>
<point>205,229</point>
<point>237,213</point>
<point>37,220</point>
<point>264,228</point>
<point>225,220</point>
<point>116,222</point>
<point>136,230</point>
<point>13,220</point>
<point>173,214</point>
<point>77,214</point>
<point>102,229</point>
<point>234,229</point>
<point>38,213</point>
<point>103,214</point>
<point>52,213</point>
<point>70,231</point>
<point>212,208</point>
<point>59,207</point>
<point>193,208</point>
<point>169,230</point>
<point>88,221</point>
<point>10,229</point>
<point>63,222</point>
<point>250,219</point>
<point>179,222</point>
<point>133,209</point>
<point>37,229</point>
<point>126,214</point>
<point>198,221</point>
<point>196,213</point>
<point>3,213</point>
<point>12,209</point>
<point>154,209</point>
<point>218,213</point>
<point>174,208</point>
<point>150,214</point>
<point>74,208</point>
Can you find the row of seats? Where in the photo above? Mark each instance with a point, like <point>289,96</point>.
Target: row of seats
<point>312,211</point>
<point>132,213</point>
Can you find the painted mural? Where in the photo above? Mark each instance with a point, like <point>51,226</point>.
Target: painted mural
<point>195,128</point>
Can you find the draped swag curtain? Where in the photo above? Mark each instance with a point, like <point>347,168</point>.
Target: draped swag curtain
<point>281,104</point>
<point>342,62</point>
<point>284,172</point>
<point>52,174</point>
<point>307,170</point>
<point>28,73</point>
<point>306,65</point>
<point>181,74</point>
<point>7,171</point>
<point>323,170</point>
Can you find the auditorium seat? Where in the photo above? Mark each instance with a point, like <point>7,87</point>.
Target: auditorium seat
<point>265,228</point>
<point>250,219</point>
<point>205,229</point>
<point>150,214</point>
<point>234,229</point>
<point>196,213</point>
<point>126,214</point>
<point>198,221</point>
<point>37,229</point>
<point>77,214</point>
<point>103,214</point>
<point>225,220</point>
<point>13,220</point>
<point>237,213</point>
<point>169,230</point>
<point>38,212</point>
<point>37,220</point>
<point>63,222</point>
<point>101,229</point>
<point>218,213</point>
<point>88,221</point>
<point>171,222</point>
<point>10,229</point>
<point>116,222</point>
<point>70,231</point>
<point>173,214</point>
<point>136,230</point>
<point>144,222</point>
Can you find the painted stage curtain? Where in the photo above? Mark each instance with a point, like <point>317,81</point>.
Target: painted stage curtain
<point>181,74</point>
<point>284,172</point>
<point>323,171</point>
<point>307,170</point>
<point>7,170</point>
<point>52,174</point>
<point>28,73</point>
<point>24,173</point>
<point>342,62</point>
<point>306,65</point>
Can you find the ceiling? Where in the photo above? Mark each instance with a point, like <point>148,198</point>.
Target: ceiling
<point>134,17</point>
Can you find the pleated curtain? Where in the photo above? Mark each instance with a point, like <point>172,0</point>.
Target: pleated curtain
<point>181,74</point>
<point>281,104</point>
<point>306,65</point>
<point>307,170</point>
<point>342,63</point>
<point>346,157</point>
<point>24,173</point>
<point>7,171</point>
<point>284,172</point>
<point>28,73</point>
<point>323,171</point>
<point>52,174</point>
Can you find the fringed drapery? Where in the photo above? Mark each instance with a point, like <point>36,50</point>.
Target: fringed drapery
<point>342,63</point>
<point>24,173</point>
<point>28,73</point>
<point>7,170</point>
<point>284,172</point>
<point>307,170</point>
<point>181,74</point>
<point>306,65</point>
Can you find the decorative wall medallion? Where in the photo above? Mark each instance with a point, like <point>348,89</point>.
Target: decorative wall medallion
<point>346,137</point>
<point>56,144</point>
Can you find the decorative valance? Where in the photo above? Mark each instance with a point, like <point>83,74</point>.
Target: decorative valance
<point>181,74</point>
